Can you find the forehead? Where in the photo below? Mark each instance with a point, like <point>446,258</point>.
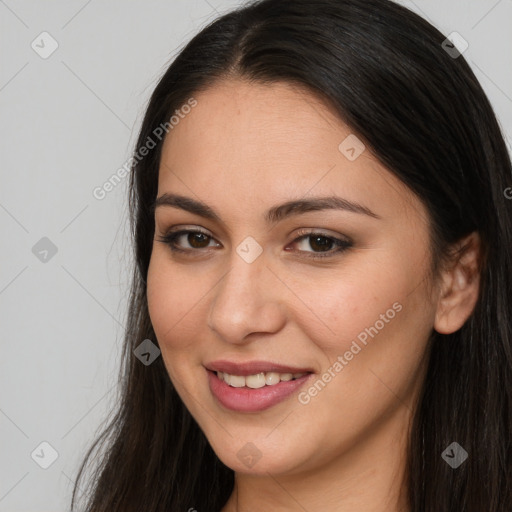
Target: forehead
<point>265,143</point>
<point>242,121</point>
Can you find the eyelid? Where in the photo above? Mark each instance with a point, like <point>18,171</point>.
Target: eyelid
<point>299,233</point>
<point>322,232</point>
<point>188,227</point>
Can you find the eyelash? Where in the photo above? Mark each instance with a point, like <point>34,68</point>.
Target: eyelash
<point>340,244</point>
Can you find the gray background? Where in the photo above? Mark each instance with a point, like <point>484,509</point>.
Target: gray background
<point>67,123</point>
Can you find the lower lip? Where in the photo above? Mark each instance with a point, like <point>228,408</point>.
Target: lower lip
<point>252,400</point>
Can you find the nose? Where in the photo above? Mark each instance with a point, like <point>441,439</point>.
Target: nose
<point>247,300</point>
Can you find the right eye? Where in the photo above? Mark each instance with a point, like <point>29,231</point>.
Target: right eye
<point>194,238</point>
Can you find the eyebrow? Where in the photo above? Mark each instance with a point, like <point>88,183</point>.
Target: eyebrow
<point>274,214</point>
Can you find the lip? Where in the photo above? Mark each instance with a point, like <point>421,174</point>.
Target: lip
<point>253,367</point>
<point>253,400</point>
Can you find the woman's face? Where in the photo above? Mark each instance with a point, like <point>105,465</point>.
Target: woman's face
<point>270,285</point>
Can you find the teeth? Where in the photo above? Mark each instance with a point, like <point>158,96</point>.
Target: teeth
<point>257,380</point>
<point>254,381</point>
<point>272,378</point>
<point>234,380</point>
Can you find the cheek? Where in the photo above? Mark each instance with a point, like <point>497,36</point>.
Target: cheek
<point>345,304</point>
<point>172,300</point>
<point>382,320</point>
<point>174,303</point>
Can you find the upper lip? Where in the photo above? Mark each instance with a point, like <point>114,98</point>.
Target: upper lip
<point>253,367</point>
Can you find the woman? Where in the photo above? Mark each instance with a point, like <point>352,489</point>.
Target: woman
<point>320,314</point>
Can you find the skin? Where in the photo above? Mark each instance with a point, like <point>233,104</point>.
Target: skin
<point>244,148</point>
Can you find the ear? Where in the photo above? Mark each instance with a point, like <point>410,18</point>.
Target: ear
<point>460,285</point>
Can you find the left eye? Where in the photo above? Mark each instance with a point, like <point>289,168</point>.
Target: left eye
<point>322,245</point>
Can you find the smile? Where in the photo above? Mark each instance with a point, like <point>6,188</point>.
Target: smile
<point>245,398</point>
<point>257,380</point>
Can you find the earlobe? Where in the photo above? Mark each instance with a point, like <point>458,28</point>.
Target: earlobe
<point>460,286</point>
